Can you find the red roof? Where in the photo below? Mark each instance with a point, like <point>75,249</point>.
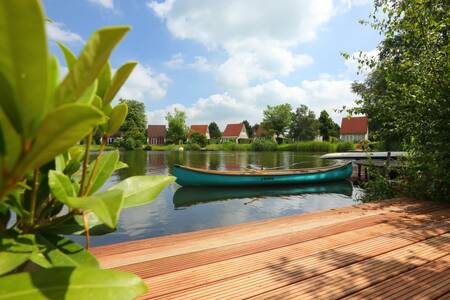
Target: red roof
<point>233,130</point>
<point>156,131</point>
<point>203,129</point>
<point>354,125</point>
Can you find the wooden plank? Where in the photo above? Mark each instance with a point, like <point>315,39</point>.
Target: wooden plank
<point>400,205</point>
<point>350,279</point>
<point>285,271</point>
<point>244,265</point>
<point>420,283</point>
<point>209,239</point>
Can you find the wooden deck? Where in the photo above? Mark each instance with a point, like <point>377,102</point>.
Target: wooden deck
<point>397,249</point>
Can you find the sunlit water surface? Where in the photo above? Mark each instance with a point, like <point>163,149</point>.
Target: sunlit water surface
<point>179,209</point>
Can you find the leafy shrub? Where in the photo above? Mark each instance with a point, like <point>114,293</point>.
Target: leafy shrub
<point>264,146</point>
<point>198,138</point>
<point>345,146</point>
<point>129,144</point>
<point>47,181</point>
<point>148,147</point>
<point>193,147</point>
<point>118,142</point>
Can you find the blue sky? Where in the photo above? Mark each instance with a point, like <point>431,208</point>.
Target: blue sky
<point>225,61</point>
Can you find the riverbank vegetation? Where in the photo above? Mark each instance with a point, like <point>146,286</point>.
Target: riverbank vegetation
<point>50,187</point>
<point>406,95</point>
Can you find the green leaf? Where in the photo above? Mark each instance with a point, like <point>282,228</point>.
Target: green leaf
<point>62,128</point>
<point>23,64</point>
<point>75,225</point>
<point>89,94</point>
<point>53,78</point>
<point>15,250</point>
<point>104,79</point>
<point>60,185</point>
<point>11,146</point>
<point>106,205</point>
<point>116,118</point>
<point>71,283</point>
<point>120,165</point>
<point>70,58</point>
<point>118,80</point>
<point>106,165</point>
<point>58,251</point>
<point>89,64</point>
<point>138,190</point>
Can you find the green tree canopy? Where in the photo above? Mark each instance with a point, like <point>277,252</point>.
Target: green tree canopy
<point>327,127</point>
<point>304,126</point>
<point>135,125</point>
<point>198,138</point>
<point>214,131</point>
<point>407,92</point>
<point>248,129</point>
<point>278,118</point>
<point>177,129</point>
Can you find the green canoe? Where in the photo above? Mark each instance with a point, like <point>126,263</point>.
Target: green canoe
<point>192,195</point>
<point>187,176</point>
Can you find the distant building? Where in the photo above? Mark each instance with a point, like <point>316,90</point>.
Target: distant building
<point>156,134</point>
<point>234,132</point>
<point>203,129</point>
<point>354,129</point>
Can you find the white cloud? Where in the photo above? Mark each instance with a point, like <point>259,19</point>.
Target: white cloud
<point>257,37</point>
<point>58,32</point>
<point>249,103</point>
<point>143,84</point>
<point>105,3</point>
<point>199,63</point>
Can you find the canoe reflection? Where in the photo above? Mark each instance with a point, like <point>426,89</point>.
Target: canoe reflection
<point>187,196</point>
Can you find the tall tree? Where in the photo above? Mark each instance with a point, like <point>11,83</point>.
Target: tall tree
<point>407,90</point>
<point>135,125</point>
<point>278,118</point>
<point>177,129</point>
<point>327,127</point>
<point>304,126</point>
<point>214,131</point>
<point>248,128</point>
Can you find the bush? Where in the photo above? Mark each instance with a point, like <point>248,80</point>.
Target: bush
<point>137,144</point>
<point>214,147</point>
<point>264,146</point>
<point>148,147</point>
<point>129,144</point>
<point>198,138</point>
<point>118,142</point>
<point>193,147</point>
<point>345,146</point>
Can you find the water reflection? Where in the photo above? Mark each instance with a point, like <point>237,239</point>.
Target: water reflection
<point>173,210</point>
<point>188,196</point>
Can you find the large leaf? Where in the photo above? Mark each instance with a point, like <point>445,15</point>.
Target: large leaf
<point>104,79</point>
<point>138,190</point>
<point>106,205</point>
<point>23,64</point>
<point>116,118</point>
<point>71,283</point>
<point>75,225</point>
<point>12,143</point>
<point>62,128</point>
<point>70,58</point>
<point>15,250</point>
<point>118,80</point>
<point>89,64</point>
<point>105,167</point>
<point>60,185</point>
<point>58,251</point>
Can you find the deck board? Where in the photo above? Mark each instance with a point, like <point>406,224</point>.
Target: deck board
<point>370,251</point>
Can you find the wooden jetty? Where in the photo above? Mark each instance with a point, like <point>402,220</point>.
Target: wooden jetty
<point>396,249</point>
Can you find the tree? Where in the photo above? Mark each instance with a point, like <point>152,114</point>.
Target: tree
<point>406,93</point>
<point>198,138</point>
<point>135,126</point>
<point>278,118</point>
<point>214,131</point>
<point>304,126</point>
<point>248,129</point>
<point>327,127</point>
<point>177,129</point>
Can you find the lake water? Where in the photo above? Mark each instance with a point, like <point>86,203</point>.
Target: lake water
<point>180,209</point>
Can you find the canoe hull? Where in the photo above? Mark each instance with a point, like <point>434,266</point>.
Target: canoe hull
<point>189,177</point>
